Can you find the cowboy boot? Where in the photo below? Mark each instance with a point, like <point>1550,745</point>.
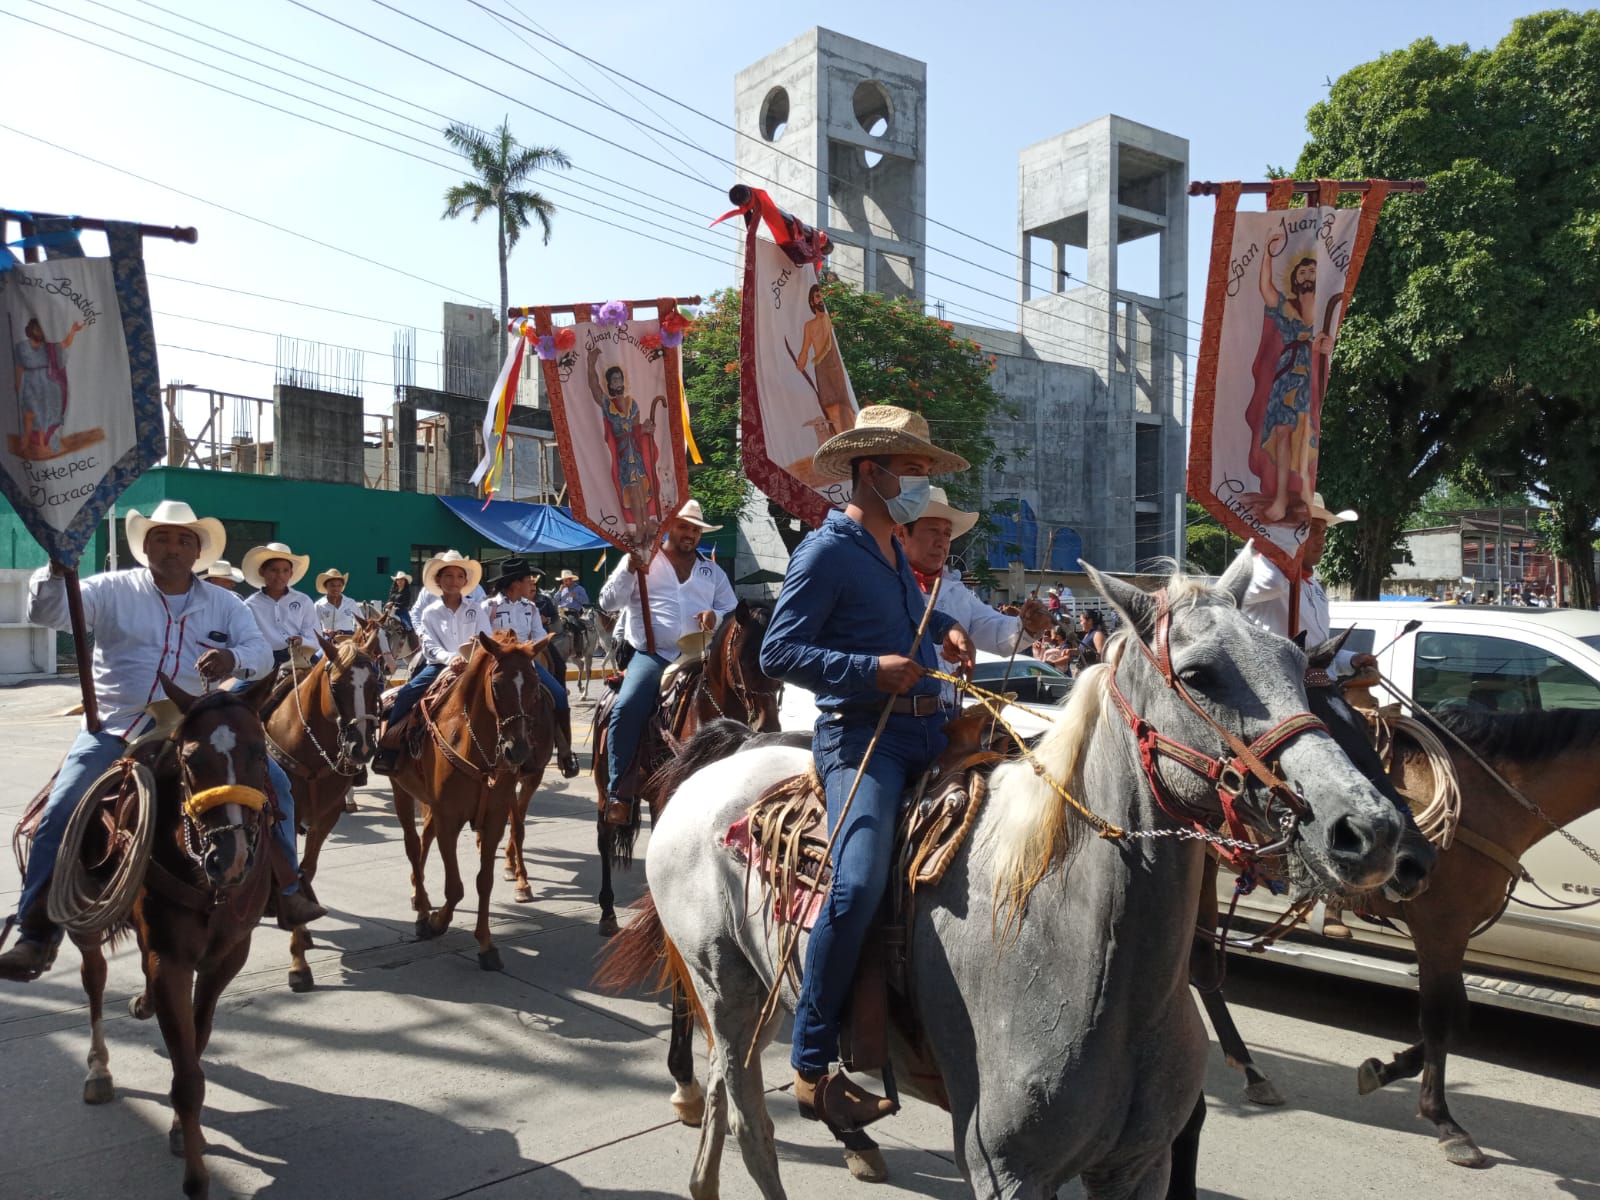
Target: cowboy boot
<point>387,755</point>
<point>1333,925</point>
<point>296,909</point>
<point>834,1099</point>
<point>35,952</point>
<point>565,758</point>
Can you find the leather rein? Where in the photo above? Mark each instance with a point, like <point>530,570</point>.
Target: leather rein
<point>733,679</point>
<point>489,774</point>
<point>1231,772</point>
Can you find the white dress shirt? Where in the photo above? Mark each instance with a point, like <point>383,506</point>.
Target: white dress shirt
<point>341,617</point>
<point>442,632</point>
<point>138,631</point>
<point>673,604</point>
<point>519,616</point>
<point>290,615</point>
<point>1266,602</point>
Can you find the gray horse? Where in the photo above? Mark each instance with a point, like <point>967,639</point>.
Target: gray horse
<point>1049,969</point>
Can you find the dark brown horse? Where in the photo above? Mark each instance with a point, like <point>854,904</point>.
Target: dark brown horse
<point>516,869</point>
<point>322,734</point>
<point>206,884</point>
<point>474,739</point>
<point>728,683</point>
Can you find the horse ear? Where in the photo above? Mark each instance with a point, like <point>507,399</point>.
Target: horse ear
<point>176,694</point>
<point>492,646</point>
<point>328,650</point>
<point>1135,604</point>
<point>258,692</point>
<point>1321,657</point>
<point>1299,639</point>
<point>536,647</point>
<point>741,611</point>
<point>1236,579</point>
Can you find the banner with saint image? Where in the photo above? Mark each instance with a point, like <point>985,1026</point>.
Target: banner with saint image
<point>794,392</point>
<point>80,413</point>
<point>1278,289</point>
<point>616,403</point>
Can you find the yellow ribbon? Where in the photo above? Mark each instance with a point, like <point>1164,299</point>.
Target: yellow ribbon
<point>688,434</point>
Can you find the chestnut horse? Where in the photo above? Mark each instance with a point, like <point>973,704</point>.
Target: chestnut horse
<point>476,737</point>
<point>516,870</point>
<point>729,683</point>
<point>322,734</point>
<point>205,886</point>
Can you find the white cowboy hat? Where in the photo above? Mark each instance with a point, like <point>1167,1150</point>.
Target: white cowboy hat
<point>330,573</point>
<point>692,513</point>
<point>213,538</point>
<point>399,575</point>
<point>223,569</point>
<point>256,556</point>
<point>567,574</point>
<point>939,506</point>
<point>450,558</point>
<point>1317,510</point>
<point>883,429</point>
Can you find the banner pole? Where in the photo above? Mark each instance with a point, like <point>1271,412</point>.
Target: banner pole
<point>644,611</point>
<point>80,643</point>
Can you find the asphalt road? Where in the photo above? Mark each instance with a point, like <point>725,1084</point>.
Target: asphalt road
<point>409,1073</point>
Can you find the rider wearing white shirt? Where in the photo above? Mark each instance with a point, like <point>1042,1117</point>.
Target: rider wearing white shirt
<point>513,608</point>
<point>335,612</point>
<point>287,617</point>
<point>686,593</point>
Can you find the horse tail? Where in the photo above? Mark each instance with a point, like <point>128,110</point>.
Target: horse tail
<point>643,954</point>
<point>712,742</point>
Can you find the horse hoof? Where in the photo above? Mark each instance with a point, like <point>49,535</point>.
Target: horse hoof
<point>608,925</point>
<point>350,805</point>
<point>138,1009</point>
<point>98,1090</point>
<point>1369,1076</point>
<point>689,1104</point>
<point>1262,1091</point>
<point>1463,1151</point>
<point>867,1165</point>
<point>489,960</point>
<point>508,874</point>
<point>523,894</point>
<point>301,981</point>
<point>425,930</point>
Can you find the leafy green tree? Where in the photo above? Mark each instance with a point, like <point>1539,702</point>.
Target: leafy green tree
<point>502,165</point>
<point>1207,546</point>
<point>895,354</point>
<point>1478,297</point>
<point>1467,489</point>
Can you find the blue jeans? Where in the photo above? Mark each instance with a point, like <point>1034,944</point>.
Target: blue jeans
<point>406,698</point>
<point>557,690</point>
<point>89,758</point>
<point>641,689</point>
<point>861,862</point>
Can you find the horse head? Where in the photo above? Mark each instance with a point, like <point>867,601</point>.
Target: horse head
<point>221,751</point>
<point>740,660</point>
<point>355,683</point>
<point>514,692</point>
<point>1218,707</point>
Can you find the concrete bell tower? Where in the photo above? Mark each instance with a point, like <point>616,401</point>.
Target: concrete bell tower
<point>837,136</point>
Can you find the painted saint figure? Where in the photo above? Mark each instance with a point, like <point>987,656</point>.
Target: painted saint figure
<point>41,385</point>
<point>1290,371</point>
<point>828,378</point>
<point>630,436</point>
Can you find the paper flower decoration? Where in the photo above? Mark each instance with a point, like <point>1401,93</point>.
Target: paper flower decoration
<point>612,312</point>
<point>546,346</point>
<point>652,342</point>
<point>566,338</point>
<point>674,321</point>
<point>670,338</point>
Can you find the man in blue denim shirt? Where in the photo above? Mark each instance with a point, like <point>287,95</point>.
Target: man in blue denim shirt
<point>846,618</point>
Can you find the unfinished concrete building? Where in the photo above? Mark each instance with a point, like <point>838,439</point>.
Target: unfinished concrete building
<point>1096,369</point>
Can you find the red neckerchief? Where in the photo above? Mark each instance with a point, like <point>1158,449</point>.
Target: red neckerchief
<point>925,580</point>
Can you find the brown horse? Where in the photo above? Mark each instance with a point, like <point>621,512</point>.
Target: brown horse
<point>1553,758</point>
<point>322,734</point>
<point>516,870</point>
<point>204,888</point>
<point>474,739</point>
<point>729,683</point>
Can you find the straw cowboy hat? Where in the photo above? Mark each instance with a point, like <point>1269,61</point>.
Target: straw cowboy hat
<point>567,574</point>
<point>213,538</point>
<point>258,556</point>
<point>691,512</point>
<point>330,573</point>
<point>882,429</point>
<point>223,569</point>
<point>939,506</point>
<point>1318,511</point>
<point>450,558</point>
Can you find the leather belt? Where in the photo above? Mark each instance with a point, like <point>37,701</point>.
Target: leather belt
<point>903,706</point>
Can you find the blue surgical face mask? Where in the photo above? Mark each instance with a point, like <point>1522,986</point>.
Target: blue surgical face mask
<point>912,501</point>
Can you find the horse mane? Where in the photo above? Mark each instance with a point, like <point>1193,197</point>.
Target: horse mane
<point>1526,737</point>
<point>1033,829</point>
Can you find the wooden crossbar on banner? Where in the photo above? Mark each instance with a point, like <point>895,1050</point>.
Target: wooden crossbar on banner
<point>513,313</point>
<point>1303,187</point>
<point>69,575</point>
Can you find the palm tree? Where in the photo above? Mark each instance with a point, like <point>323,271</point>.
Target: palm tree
<point>501,164</point>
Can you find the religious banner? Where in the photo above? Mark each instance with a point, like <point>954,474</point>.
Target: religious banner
<point>616,399</point>
<point>794,392</point>
<point>1278,289</point>
<point>80,412</point>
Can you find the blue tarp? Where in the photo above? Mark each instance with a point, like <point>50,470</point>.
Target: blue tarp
<point>1016,537</point>
<point>524,528</point>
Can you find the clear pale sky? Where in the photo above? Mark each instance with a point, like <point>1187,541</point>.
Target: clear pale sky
<point>1236,79</point>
